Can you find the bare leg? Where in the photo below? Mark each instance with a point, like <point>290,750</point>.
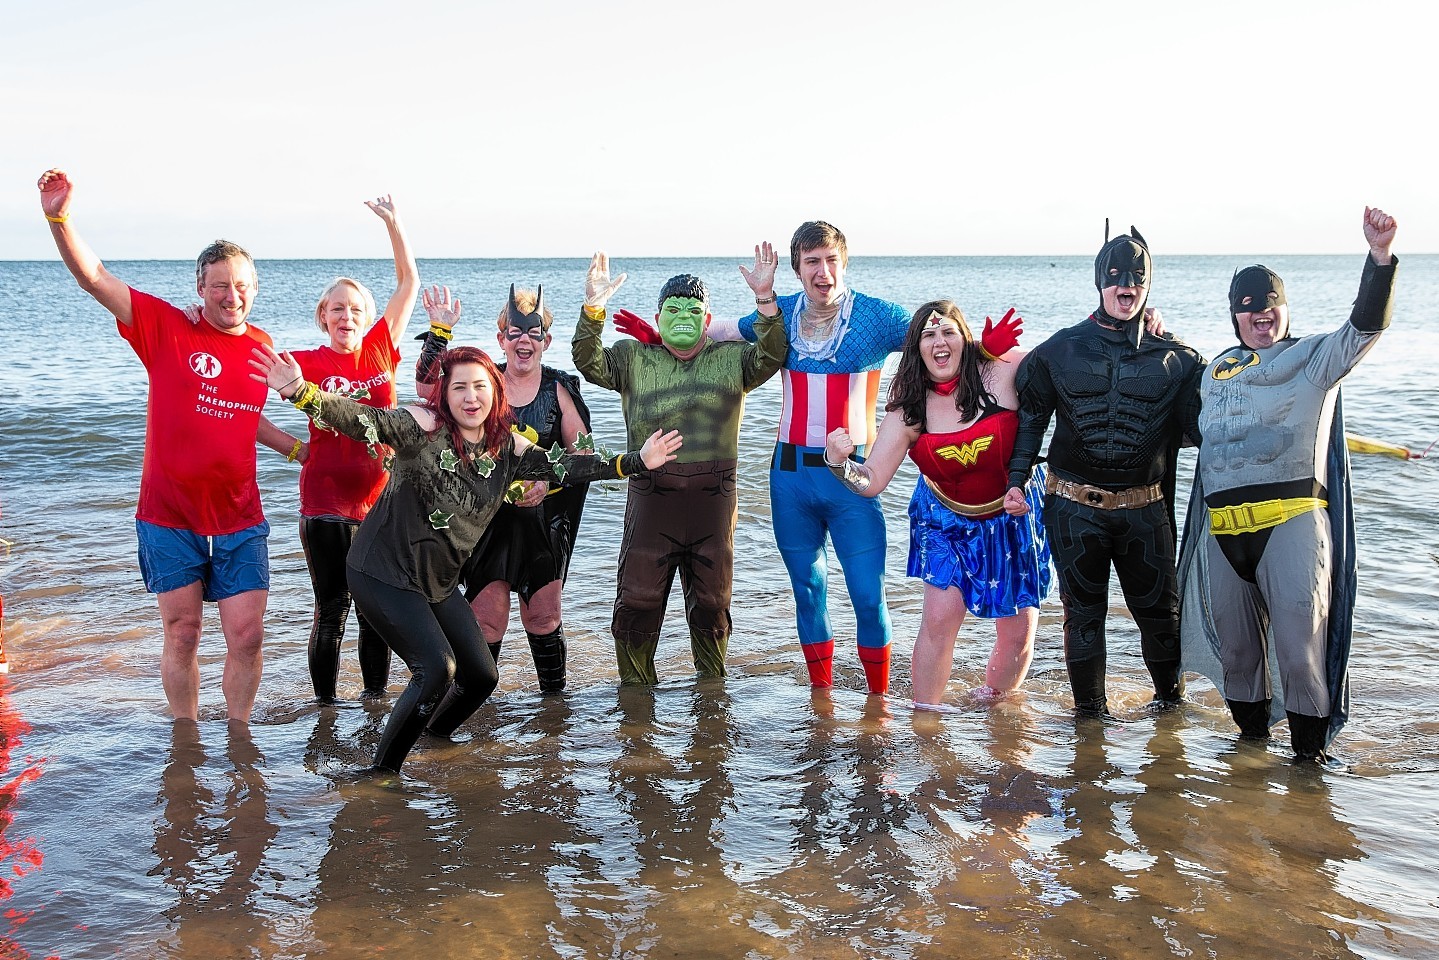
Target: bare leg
<point>933,658</point>
<point>542,613</point>
<point>242,618</point>
<point>1013,650</point>
<point>492,610</point>
<point>181,610</point>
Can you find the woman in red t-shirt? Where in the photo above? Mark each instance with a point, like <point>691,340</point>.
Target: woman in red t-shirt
<point>341,479</point>
<point>954,410</point>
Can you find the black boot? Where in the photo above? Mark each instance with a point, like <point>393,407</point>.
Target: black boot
<point>1252,718</point>
<point>548,650</point>
<point>1168,679</point>
<point>1308,736</point>
<point>1086,681</point>
<point>495,650</point>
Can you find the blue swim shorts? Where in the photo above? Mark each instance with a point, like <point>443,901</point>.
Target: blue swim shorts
<point>227,565</point>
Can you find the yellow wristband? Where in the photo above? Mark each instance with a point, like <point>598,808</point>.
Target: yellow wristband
<point>618,469</point>
<point>62,219</point>
<point>294,452</point>
<point>593,313</point>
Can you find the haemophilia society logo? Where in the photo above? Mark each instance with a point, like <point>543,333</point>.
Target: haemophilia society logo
<point>205,365</point>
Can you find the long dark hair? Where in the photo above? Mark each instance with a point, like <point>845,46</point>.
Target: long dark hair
<point>497,423</point>
<point>909,389</point>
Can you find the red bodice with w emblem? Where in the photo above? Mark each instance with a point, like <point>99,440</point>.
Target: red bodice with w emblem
<point>970,465</point>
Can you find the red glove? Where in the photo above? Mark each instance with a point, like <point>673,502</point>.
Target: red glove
<point>638,327</point>
<point>1000,338</point>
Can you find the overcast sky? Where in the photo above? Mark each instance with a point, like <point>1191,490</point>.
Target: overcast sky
<point>671,128</point>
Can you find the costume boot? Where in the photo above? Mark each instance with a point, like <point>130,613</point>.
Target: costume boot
<point>819,658</point>
<point>1308,735</point>
<point>1168,679</point>
<point>876,667</point>
<point>1253,718</point>
<point>548,650</point>
<point>1086,681</point>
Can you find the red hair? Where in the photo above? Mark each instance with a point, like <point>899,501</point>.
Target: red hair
<point>497,423</point>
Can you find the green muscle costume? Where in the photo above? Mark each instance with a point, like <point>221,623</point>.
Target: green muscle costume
<point>682,517</point>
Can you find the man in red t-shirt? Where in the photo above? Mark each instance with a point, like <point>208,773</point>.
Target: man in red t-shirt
<point>202,535</point>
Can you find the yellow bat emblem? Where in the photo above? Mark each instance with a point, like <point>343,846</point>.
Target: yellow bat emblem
<point>1231,366</point>
<point>967,453</point>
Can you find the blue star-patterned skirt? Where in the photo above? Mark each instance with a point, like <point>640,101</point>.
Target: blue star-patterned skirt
<point>1001,564</point>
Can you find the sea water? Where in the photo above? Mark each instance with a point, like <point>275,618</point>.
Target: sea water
<point>742,818</point>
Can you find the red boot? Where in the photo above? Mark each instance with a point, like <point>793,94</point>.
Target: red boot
<point>876,667</point>
<point>819,658</point>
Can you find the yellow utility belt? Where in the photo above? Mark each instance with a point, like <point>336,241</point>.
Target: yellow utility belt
<point>1249,517</point>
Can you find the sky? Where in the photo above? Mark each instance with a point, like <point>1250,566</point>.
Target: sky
<point>549,129</point>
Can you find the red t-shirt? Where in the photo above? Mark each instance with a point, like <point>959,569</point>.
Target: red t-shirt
<point>340,478</point>
<point>203,411</point>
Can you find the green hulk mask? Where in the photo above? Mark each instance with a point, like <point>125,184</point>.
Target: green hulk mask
<point>682,322</point>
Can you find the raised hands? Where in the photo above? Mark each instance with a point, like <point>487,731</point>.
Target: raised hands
<point>637,327</point>
<point>56,191</point>
<point>660,448</point>
<point>1000,338</point>
<point>760,277</point>
<point>384,208</point>
<point>598,285</point>
<point>1379,230</point>
<point>443,312</point>
<point>278,371</point>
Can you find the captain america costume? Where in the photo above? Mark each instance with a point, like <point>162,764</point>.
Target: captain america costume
<point>828,386</point>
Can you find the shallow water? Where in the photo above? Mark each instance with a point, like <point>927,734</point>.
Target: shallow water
<point>747,817</point>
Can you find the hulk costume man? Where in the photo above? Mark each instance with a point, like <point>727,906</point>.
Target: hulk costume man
<point>682,517</point>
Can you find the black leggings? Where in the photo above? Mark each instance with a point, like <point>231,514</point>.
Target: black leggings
<point>326,544</point>
<point>451,670</point>
<point>1139,544</point>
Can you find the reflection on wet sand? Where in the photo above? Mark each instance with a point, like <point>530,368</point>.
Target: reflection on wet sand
<point>210,843</point>
<point>744,818</point>
<point>1163,856</point>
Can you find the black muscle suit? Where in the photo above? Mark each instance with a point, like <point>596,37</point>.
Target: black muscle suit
<point>1123,412</point>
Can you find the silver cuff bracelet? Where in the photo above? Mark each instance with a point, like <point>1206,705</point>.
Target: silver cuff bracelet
<point>851,474</point>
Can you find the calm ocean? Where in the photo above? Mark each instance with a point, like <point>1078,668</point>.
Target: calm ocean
<point>747,818</point>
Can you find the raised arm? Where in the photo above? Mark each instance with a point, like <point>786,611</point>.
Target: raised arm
<point>56,194</point>
<point>1376,286</point>
<point>590,357</point>
<point>404,429</point>
<point>444,313</point>
<point>764,357</point>
<point>760,279</point>
<point>407,273</point>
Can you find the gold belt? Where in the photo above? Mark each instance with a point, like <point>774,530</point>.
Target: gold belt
<point>1248,517</point>
<point>1101,498</point>
<point>974,510</point>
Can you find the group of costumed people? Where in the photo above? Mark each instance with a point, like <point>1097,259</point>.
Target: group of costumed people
<point>428,517</point>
